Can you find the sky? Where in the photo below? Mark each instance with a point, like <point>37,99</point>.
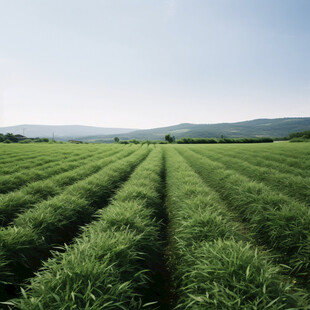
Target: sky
<point>153,63</point>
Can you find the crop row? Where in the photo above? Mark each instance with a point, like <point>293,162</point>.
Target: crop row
<point>14,166</point>
<point>291,150</point>
<point>296,160</point>
<point>277,221</point>
<point>48,151</point>
<point>262,159</point>
<point>294,186</point>
<point>111,265</point>
<point>10,151</point>
<point>215,267</point>
<point>28,196</point>
<point>290,154</point>
<point>217,219</point>
<point>15,181</point>
<point>35,151</point>
<point>57,220</point>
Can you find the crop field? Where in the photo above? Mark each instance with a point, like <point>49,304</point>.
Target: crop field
<point>110,226</point>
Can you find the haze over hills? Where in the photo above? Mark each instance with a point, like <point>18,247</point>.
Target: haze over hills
<point>62,132</point>
<point>278,127</point>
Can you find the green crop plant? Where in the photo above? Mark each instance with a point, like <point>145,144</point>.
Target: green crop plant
<point>261,159</point>
<point>16,180</point>
<point>231,275</point>
<point>51,161</point>
<point>28,163</point>
<point>38,162</point>
<point>296,187</point>
<point>222,226</point>
<point>296,160</point>
<point>278,221</point>
<point>27,197</point>
<point>215,266</point>
<point>57,220</point>
<point>110,266</point>
<point>35,153</point>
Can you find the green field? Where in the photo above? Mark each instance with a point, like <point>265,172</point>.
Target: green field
<point>98,226</point>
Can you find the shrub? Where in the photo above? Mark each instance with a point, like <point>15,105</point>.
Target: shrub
<point>25,141</point>
<point>301,134</point>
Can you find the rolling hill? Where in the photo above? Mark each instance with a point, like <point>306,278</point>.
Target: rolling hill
<point>278,127</point>
<point>62,132</point>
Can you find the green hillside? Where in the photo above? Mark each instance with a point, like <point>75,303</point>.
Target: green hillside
<point>279,127</point>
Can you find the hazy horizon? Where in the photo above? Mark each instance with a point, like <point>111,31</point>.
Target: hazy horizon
<point>147,64</point>
<point>246,120</point>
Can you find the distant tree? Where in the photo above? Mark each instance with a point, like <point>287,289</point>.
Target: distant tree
<point>25,141</point>
<point>301,134</point>
<point>134,141</point>
<point>39,140</point>
<point>10,137</point>
<point>168,138</point>
<point>116,139</point>
<point>1,137</point>
<point>75,141</point>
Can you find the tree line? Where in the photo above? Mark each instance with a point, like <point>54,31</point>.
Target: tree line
<point>11,138</point>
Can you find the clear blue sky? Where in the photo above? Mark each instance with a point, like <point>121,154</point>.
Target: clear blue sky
<point>151,63</point>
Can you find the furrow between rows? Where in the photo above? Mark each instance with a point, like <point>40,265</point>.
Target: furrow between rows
<point>15,181</point>
<point>46,159</point>
<point>115,260</point>
<point>56,221</point>
<point>295,162</point>
<point>261,158</point>
<point>11,158</point>
<point>214,266</point>
<point>36,192</point>
<point>293,186</point>
<point>277,221</point>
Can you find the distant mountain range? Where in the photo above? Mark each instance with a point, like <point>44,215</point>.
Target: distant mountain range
<point>277,127</point>
<point>62,132</point>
